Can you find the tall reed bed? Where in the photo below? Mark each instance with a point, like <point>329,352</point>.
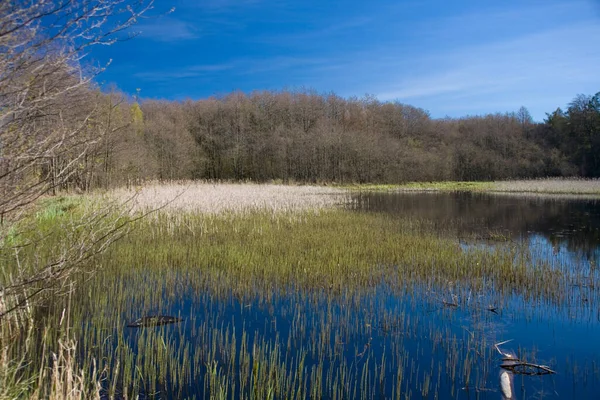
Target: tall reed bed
<point>215,198</point>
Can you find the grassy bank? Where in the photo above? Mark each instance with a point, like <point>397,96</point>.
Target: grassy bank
<point>449,186</point>
<point>584,187</point>
<point>46,255</point>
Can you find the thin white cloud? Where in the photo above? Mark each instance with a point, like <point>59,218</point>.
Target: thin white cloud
<point>499,15</point>
<point>548,58</point>
<point>279,64</point>
<point>168,29</point>
<point>327,29</point>
<point>193,71</point>
<point>239,67</point>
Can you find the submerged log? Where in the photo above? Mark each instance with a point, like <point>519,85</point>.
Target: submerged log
<point>154,320</point>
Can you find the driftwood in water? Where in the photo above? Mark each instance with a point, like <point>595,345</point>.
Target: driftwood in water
<point>519,367</point>
<point>513,364</point>
<point>154,320</point>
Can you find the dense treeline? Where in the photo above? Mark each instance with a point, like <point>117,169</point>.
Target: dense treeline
<point>576,133</point>
<point>302,136</point>
<point>308,137</point>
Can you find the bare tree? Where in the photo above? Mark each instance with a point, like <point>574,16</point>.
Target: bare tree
<point>50,121</point>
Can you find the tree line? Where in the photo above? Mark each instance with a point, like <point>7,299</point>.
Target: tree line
<point>305,136</point>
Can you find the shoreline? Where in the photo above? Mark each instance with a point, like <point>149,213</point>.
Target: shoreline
<point>211,197</point>
<point>543,187</point>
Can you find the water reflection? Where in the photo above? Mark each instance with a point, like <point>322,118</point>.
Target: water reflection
<point>561,231</point>
<point>564,223</point>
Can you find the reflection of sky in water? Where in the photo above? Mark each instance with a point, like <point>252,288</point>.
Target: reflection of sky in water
<point>541,249</point>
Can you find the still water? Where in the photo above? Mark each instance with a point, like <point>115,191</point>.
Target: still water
<point>417,342</point>
<point>566,224</point>
<point>559,231</point>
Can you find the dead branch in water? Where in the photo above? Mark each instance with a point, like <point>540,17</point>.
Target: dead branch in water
<point>516,366</point>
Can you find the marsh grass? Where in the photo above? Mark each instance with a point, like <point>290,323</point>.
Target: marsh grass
<point>325,250</point>
<point>291,302</point>
<point>40,255</point>
<point>444,186</point>
<point>41,362</point>
<point>547,186</point>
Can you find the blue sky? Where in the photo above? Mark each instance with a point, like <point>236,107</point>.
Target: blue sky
<point>452,58</point>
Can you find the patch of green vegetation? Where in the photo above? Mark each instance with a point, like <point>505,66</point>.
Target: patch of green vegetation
<point>52,207</point>
<point>44,255</point>
<point>312,250</point>
<point>372,187</point>
<point>533,186</point>
<point>449,186</point>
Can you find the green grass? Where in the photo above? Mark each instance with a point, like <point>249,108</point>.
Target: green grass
<point>53,207</point>
<point>449,186</point>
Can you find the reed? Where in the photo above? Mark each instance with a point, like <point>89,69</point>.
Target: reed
<point>211,198</point>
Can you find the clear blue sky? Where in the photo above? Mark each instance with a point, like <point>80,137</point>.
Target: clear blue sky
<point>452,58</point>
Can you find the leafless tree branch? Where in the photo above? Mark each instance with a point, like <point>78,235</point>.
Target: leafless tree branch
<point>53,122</point>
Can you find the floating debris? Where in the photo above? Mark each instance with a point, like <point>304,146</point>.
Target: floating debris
<point>511,363</point>
<point>449,303</point>
<point>154,320</point>
<point>519,367</point>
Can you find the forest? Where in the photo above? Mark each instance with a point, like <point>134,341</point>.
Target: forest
<point>306,137</point>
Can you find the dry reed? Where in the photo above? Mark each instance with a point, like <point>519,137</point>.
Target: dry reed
<point>215,198</point>
<point>550,186</point>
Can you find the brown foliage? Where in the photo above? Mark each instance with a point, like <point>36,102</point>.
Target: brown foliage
<point>307,137</point>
